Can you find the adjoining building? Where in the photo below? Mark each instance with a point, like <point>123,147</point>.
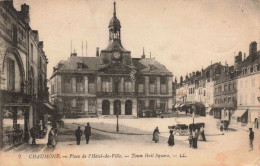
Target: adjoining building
<point>112,83</point>
<point>248,91</point>
<point>190,94</point>
<point>225,94</point>
<point>23,76</point>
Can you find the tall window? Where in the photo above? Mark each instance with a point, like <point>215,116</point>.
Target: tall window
<point>80,105</point>
<point>106,84</point>
<point>152,84</point>
<point>140,85</point>
<point>31,56</point>
<point>253,99</point>
<point>52,89</point>
<point>253,82</point>
<point>163,81</point>
<point>67,85</point>
<point>91,105</point>
<point>241,99</point>
<point>14,34</point>
<point>128,85</point>
<point>229,86</point>
<point>229,99</point>
<point>234,85</point>
<point>91,84</point>
<point>80,85</point>
<point>245,99</point>
<point>11,74</point>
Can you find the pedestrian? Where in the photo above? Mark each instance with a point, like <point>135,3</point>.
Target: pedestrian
<point>156,135</point>
<point>222,128</point>
<point>202,133</point>
<point>87,132</point>
<point>78,134</point>
<point>171,139</point>
<point>33,135</point>
<point>51,139</point>
<point>195,135</point>
<point>190,139</point>
<point>251,139</point>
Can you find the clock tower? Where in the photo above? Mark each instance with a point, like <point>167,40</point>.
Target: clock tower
<point>115,52</point>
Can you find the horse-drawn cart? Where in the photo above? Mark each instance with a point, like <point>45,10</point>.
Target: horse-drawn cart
<point>182,129</point>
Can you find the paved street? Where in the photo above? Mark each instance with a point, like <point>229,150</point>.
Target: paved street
<point>228,149</point>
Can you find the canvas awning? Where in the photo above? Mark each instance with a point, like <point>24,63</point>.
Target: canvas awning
<point>209,109</point>
<point>49,106</point>
<point>176,106</point>
<point>17,105</point>
<point>181,105</point>
<point>239,113</point>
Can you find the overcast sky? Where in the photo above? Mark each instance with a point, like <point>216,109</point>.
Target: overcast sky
<point>184,35</point>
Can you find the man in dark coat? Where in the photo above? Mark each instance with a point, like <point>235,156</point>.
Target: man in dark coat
<point>78,134</point>
<point>171,139</point>
<point>33,135</point>
<point>87,132</point>
<point>251,139</point>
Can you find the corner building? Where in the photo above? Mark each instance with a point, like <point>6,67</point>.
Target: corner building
<point>111,83</point>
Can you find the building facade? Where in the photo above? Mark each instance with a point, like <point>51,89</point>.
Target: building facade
<point>112,83</point>
<point>190,93</point>
<point>225,94</point>
<point>19,89</point>
<point>248,88</point>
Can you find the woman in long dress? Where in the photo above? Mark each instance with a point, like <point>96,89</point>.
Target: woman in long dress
<point>51,139</point>
<point>202,133</point>
<point>156,135</point>
<point>171,139</point>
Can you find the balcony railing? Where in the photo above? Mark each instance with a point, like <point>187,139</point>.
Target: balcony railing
<point>226,92</point>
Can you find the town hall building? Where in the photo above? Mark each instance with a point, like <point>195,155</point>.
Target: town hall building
<point>111,83</point>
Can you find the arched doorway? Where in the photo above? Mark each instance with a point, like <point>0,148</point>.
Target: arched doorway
<point>105,107</point>
<point>256,123</point>
<point>117,107</point>
<point>13,69</point>
<point>128,107</point>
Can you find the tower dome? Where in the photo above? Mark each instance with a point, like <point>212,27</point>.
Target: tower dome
<point>114,23</point>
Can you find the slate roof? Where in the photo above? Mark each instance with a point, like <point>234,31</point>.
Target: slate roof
<point>90,64</point>
<point>115,45</point>
<point>149,65</point>
<point>247,62</point>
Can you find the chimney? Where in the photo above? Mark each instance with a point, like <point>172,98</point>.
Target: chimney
<point>181,80</point>
<point>25,13</point>
<point>143,56</point>
<point>97,52</point>
<point>253,51</point>
<point>40,44</point>
<point>244,56</point>
<point>73,54</point>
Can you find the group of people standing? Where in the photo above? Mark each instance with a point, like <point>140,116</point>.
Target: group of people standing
<point>87,133</point>
<point>194,136</point>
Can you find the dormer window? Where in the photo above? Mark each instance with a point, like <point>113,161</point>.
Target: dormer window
<point>248,69</point>
<point>80,65</point>
<point>255,68</point>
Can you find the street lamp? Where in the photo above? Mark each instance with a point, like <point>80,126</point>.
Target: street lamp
<point>117,115</point>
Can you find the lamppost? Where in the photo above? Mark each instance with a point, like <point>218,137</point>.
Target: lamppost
<point>117,115</point>
<point>193,113</point>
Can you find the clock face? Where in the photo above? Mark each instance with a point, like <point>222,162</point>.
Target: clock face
<point>116,55</point>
